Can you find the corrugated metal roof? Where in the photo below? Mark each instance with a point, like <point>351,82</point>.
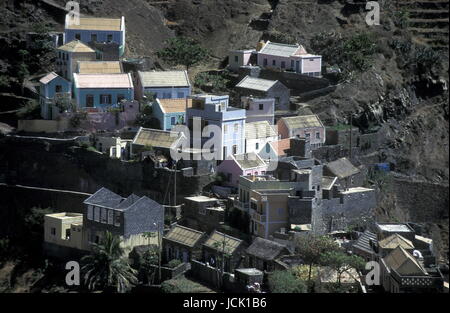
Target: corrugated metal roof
<point>105,198</point>
<point>156,138</point>
<point>222,242</point>
<point>404,263</point>
<point>76,46</point>
<point>99,67</point>
<point>184,235</point>
<point>256,83</point>
<point>394,241</point>
<point>302,121</point>
<point>282,50</point>
<point>174,105</point>
<point>164,79</point>
<point>48,78</point>
<point>249,160</point>
<point>93,23</point>
<point>103,81</point>
<point>257,130</point>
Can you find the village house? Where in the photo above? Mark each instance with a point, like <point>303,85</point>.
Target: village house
<point>241,164</point>
<point>258,109</point>
<point>238,58</point>
<point>112,146</point>
<point>68,56</point>
<point>388,244</point>
<point>347,174</point>
<point>171,112</point>
<point>52,89</point>
<point>307,126</point>
<point>385,230</point>
<point>93,30</point>
<point>99,67</point>
<point>289,57</point>
<point>163,84</point>
<point>215,110</point>
<point>220,246</point>
<point>63,231</point>
<point>257,135</point>
<point>102,91</point>
<point>203,213</point>
<point>183,243</point>
<point>263,253</point>
<point>263,88</point>
<point>155,141</point>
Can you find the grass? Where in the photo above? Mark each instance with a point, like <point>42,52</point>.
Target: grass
<point>340,127</point>
<point>184,285</point>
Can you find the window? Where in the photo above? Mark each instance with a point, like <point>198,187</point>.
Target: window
<point>308,135</point>
<point>68,233</point>
<point>120,97</point>
<point>257,146</point>
<point>117,219</point>
<point>110,217</point>
<point>105,99</point>
<point>90,101</point>
<point>265,62</point>
<point>78,36</point>
<point>167,95</point>
<point>173,120</point>
<point>234,149</point>
<point>58,88</point>
<point>236,127</point>
<point>90,212</point>
<point>236,59</point>
<point>94,37</point>
<point>202,211</point>
<point>180,95</point>
<point>96,214</point>
<point>274,62</point>
<point>261,106</point>
<point>317,135</point>
<point>283,64</point>
<point>53,231</point>
<point>292,64</point>
<point>109,38</point>
<point>104,216</point>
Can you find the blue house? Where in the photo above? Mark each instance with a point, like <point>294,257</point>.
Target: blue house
<point>52,87</point>
<point>164,84</point>
<point>215,110</point>
<point>96,30</point>
<point>171,112</point>
<point>102,90</point>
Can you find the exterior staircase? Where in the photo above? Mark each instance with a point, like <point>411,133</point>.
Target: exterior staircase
<point>428,20</point>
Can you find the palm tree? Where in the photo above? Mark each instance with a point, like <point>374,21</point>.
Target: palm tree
<point>105,268</point>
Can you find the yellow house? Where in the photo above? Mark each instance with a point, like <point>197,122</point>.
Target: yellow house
<point>64,229</point>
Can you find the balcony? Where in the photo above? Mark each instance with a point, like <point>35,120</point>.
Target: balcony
<point>240,205</point>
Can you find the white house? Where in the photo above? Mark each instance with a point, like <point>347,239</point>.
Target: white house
<point>257,135</point>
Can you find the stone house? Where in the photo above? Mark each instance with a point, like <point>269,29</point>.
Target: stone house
<point>262,254</point>
<point>68,56</point>
<point>241,165</point>
<point>263,88</point>
<point>257,135</point>
<point>96,30</point>
<point>347,174</point>
<point>305,126</point>
<point>220,246</point>
<point>183,243</point>
<point>163,84</point>
<point>202,212</point>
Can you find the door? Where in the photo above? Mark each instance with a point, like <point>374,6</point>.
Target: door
<point>90,101</point>
<point>297,66</point>
<point>185,256</point>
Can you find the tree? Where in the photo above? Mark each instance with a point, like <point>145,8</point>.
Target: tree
<point>106,269</point>
<point>341,262</point>
<point>286,282</point>
<point>311,248</point>
<point>184,51</point>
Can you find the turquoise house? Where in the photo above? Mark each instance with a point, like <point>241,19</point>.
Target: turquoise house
<point>171,112</point>
<point>102,90</point>
<point>52,86</point>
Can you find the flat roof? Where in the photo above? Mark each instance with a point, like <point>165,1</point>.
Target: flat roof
<point>103,81</point>
<point>99,67</point>
<point>201,198</point>
<point>356,189</point>
<point>394,227</point>
<point>95,23</point>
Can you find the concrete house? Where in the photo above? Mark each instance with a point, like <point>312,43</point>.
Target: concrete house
<point>171,112</point>
<point>68,56</point>
<point>94,30</point>
<point>305,126</point>
<point>289,57</point>
<point>258,110</point>
<point>215,110</point>
<point>163,84</point>
<point>99,67</point>
<point>53,88</point>
<point>263,88</point>
<point>183,243</point>
<point>257,135</point>
<point>63,230</point>
<point>238,58</point>
<point>263,253</point>
<point>102,90</point>
<point>202,212</point>
<point>241,164</point>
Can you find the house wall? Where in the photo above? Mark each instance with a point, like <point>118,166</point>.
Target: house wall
<point>43,126</point>
<point>312,66</point>
<point>168,93</point>
<point>67,62</point>
<point>80,96</point>
<point>60,225</point>
<point>256,145</point>
<point>315,142</point>
<point>255,114</point>
<point>231,167</point>
<point>243,58</point>
<point>166,119</point>
<point>275,217</point>
<point>102,36</point>
<point>277,59</point>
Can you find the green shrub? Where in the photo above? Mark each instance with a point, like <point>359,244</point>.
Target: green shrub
<point>174,263</point>
<point>31,110</point>
<point>214,82</point>
<point>286,282</point>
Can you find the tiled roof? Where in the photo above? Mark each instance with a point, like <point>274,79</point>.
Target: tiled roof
<point>249,160</point>
<point>282,50</point>
<point>404,263</point>
<point>303,121</point>
<point>328,182</point>
<point>103,81</point>
<point>145,215</point>
<point>105,198</point>
<point>257,130</point>
<point>266,249</point>
<point>342,168</point>
<point>363,242</point>
<point>48,78</point>
<point>254,83</point>
<point>174,105</point>
<point>76,46</point>
<point>280,146</point>
<point>216,241</point>
<point>127,202</point>
<point>99,67</point>
<point>184,235</point>
<point>164,79</point>
<point>156,138</point>
<point>395,241</point>
<point>93,23</point>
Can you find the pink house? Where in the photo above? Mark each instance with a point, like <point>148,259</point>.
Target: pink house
<point>289,57</point>
<point>241,164</point>
<point>305,126</point>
